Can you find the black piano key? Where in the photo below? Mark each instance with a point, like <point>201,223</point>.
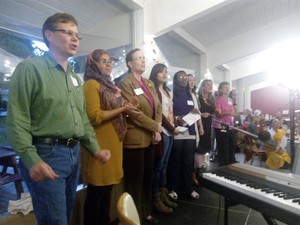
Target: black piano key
<point>242,181</point>
<point>296,200</point>
<point>282,195</point>
<point>265,189</point>
<point>255,185</point>
<point>277,193</point>
<point>290,196</point>
<point>271,191</point>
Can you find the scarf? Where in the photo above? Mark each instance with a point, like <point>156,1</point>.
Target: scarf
<point>110,97</point>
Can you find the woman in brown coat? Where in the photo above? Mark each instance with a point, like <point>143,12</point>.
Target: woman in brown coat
<point>143,131</point>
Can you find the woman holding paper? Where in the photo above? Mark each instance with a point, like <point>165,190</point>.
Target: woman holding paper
<point>180,167</point>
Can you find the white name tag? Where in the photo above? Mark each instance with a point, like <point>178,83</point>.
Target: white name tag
<point>189,102</point>
<point>138,91</point>
<point>74,81</point>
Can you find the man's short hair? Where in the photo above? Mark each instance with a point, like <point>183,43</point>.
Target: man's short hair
<point>52,21</point>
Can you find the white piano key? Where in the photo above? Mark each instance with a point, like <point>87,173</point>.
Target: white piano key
<point>254,193</point>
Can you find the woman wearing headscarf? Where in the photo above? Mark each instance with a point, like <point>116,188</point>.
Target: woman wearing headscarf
<point>106,110</point>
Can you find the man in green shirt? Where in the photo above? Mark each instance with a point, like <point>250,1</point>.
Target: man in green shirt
<point>46,120</point>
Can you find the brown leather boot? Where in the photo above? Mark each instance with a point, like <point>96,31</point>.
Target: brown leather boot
<point>165,198</point>
<point>159,205</point>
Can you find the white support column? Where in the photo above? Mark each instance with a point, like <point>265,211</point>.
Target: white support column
<point>137,28</point>
<point>203,66</point>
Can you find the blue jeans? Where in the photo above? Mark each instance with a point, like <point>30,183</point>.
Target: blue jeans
<point>53,200</point>
<point>160,164</point>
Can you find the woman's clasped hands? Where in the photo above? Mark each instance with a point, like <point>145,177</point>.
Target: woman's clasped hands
<point>130,109</point>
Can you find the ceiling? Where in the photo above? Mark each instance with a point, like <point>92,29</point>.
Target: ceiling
<point>239,17</point>
<point>227,20</point>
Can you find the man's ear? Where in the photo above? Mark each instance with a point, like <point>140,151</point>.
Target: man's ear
<point>48,35</point>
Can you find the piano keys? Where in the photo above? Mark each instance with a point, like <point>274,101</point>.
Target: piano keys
<point>274,194</point>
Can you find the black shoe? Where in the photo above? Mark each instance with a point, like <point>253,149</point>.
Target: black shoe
<point>151,220</point>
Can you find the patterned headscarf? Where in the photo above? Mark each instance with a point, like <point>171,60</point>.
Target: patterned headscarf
<point>110,94</point>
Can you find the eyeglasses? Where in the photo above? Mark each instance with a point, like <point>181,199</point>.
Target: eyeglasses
<point>141,58</point>
<point>104,61</point>
<point>69,33</point>
<point>182,77</point>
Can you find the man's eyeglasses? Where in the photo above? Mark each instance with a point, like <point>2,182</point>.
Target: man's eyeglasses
<point>141,58</point>
<point>104,61</point>
<point>69,33</point>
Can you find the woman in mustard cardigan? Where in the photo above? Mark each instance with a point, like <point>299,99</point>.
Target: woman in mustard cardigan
<point>105,108</point>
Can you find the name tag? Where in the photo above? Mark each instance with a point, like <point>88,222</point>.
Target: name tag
<point>138,91</point>
<point>189,102</point>
<point>74,81</point>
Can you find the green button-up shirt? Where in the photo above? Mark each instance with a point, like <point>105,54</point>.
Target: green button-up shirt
<point>46,101</point>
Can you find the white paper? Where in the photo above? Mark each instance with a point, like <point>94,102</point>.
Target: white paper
<point>181,129</point>
<point>191,118</point>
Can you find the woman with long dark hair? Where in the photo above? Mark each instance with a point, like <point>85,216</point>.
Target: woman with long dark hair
<point>159,76</point>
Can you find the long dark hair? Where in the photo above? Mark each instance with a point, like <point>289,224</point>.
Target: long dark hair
<point>156,69</point>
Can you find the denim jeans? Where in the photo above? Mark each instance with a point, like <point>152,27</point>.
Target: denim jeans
<point>160,164</point>
<point>53,200</point>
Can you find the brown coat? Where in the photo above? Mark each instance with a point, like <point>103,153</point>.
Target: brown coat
<point>140,128</point>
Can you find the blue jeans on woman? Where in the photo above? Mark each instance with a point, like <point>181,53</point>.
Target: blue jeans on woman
<point>53,200</point>
<point>160,164</point>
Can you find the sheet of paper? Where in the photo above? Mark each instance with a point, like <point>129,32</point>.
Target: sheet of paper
<point>191,118</point>
<point>181,129</point>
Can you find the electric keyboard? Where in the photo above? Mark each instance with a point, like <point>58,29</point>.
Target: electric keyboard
<point>274,194</point>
